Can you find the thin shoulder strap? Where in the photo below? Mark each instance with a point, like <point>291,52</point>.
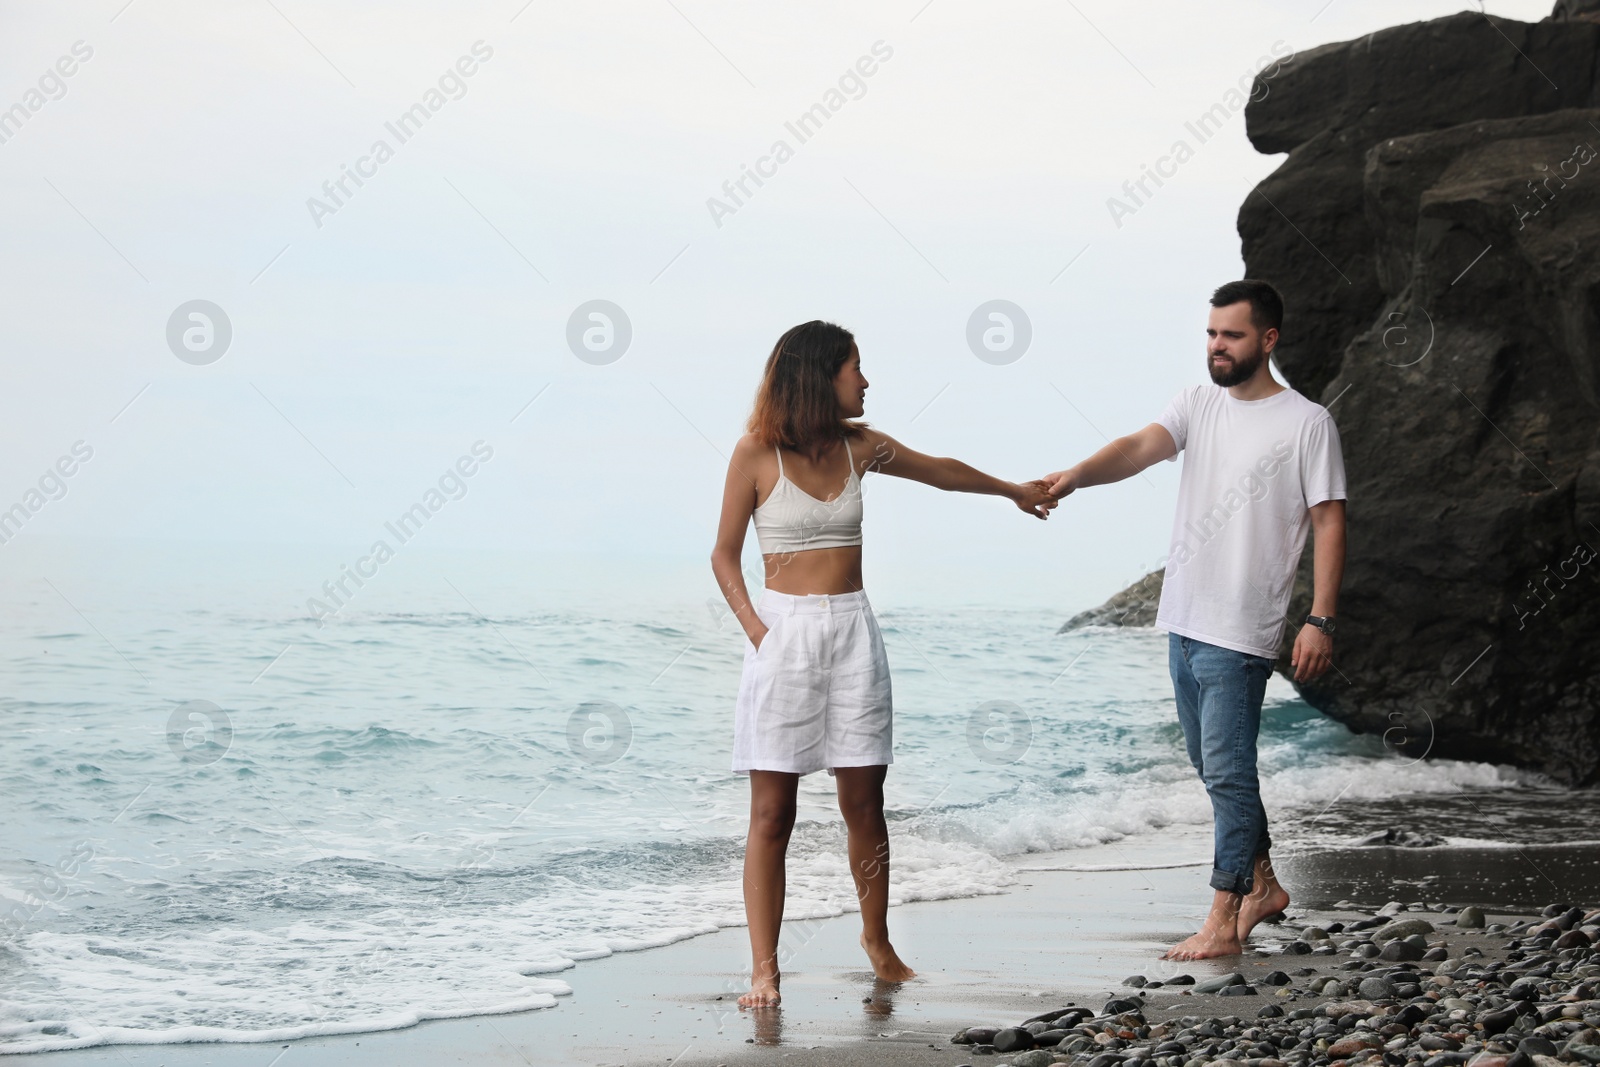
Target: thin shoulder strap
<point>779,452</point>
<point>851,454</point>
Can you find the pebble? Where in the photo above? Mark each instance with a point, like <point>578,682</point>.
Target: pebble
<point>1401,950</point>
<point>1216,985</point>
<point>1376,988</point>
<point>1011,1039</point>
<point>1401,928</point>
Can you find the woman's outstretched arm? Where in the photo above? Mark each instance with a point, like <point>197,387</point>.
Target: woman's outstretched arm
<point>891,457</point>
<point>738,502</point>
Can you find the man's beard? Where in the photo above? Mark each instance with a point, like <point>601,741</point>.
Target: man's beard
<point>1240,370</point>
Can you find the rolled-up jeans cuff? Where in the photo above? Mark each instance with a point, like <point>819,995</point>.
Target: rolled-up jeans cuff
<point>1229,882</point>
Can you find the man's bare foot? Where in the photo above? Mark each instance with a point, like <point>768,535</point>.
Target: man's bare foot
<point>886,963</point>
<point>763,992</point>
<point>1266,900</point>
<point>1207,944</point>
<point>1263,903</point>
<point>1219,936</point>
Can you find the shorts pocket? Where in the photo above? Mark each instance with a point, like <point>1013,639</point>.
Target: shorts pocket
<point>772,633</point>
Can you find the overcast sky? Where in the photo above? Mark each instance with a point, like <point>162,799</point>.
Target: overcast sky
<point>380,330</point>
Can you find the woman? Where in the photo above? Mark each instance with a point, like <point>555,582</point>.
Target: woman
<point>815,688</point>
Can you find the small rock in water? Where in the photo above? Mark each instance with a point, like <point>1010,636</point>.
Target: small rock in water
<point>1297,948</point>
<point>1394,907</point>
<point>1398,838</point>
<point>1238,991</point>
<point>1275,978</point>
<point>1182,979</point>
<point>1137,981</point>
<point>1117,1007</point>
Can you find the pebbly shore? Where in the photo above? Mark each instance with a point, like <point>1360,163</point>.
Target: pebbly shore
<point>1411,985</point>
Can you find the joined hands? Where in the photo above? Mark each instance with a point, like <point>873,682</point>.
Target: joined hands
<point>1035,498</point>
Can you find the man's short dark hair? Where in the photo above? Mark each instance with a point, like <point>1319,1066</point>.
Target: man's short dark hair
<point>1266,303</point>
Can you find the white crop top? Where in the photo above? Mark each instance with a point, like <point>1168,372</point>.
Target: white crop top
<point>792,520</point>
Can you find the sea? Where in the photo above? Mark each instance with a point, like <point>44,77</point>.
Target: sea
<point>398,816</point>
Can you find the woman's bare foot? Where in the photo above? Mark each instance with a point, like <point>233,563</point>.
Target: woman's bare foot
<point>886,963</point>
<point>763,992</point>
<point>1266,898</point>
<point>1219,936</point>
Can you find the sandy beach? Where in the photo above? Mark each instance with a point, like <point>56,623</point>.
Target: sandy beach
<point>1061,936</point>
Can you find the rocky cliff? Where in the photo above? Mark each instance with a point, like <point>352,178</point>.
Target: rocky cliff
<point>1435,231</point>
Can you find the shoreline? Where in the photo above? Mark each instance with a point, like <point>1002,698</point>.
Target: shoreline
<point>1057,937</point>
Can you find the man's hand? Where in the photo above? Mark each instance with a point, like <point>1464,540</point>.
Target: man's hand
<point>1312,655</point>
<point>1035,498</point>
<point>1061,483</point>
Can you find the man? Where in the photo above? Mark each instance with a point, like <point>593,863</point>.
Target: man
<point>1263,465</point>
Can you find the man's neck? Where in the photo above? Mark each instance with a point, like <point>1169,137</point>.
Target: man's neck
<point>1259,386</point>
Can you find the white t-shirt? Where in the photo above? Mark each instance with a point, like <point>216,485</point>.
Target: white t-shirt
<point>1253,469</point>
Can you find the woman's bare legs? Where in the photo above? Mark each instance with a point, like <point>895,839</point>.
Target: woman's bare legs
<point>861,804</point>
<point>772,806</point>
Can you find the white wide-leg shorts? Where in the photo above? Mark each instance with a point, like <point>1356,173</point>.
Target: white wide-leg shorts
<point>815,695</point>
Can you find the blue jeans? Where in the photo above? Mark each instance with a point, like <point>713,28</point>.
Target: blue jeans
<point>1219,695</point>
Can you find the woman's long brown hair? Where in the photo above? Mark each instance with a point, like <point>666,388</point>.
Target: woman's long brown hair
<point>796,405</point>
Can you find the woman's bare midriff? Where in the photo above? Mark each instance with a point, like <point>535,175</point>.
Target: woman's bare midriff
<point>823,571</point>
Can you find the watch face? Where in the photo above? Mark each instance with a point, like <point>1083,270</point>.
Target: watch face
<point>1327,627</point>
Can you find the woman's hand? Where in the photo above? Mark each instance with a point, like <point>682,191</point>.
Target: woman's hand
<point>1035,498</point>
<point>758,638</point>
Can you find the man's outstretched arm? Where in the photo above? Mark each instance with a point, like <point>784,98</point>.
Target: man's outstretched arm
<point>1122,458</point>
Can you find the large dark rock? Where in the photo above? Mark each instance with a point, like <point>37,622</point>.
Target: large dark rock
<point>1435,230</point>
<point>1134,606</point>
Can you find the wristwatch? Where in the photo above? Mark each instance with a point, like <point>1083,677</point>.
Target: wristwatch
<point>1321,622</point>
